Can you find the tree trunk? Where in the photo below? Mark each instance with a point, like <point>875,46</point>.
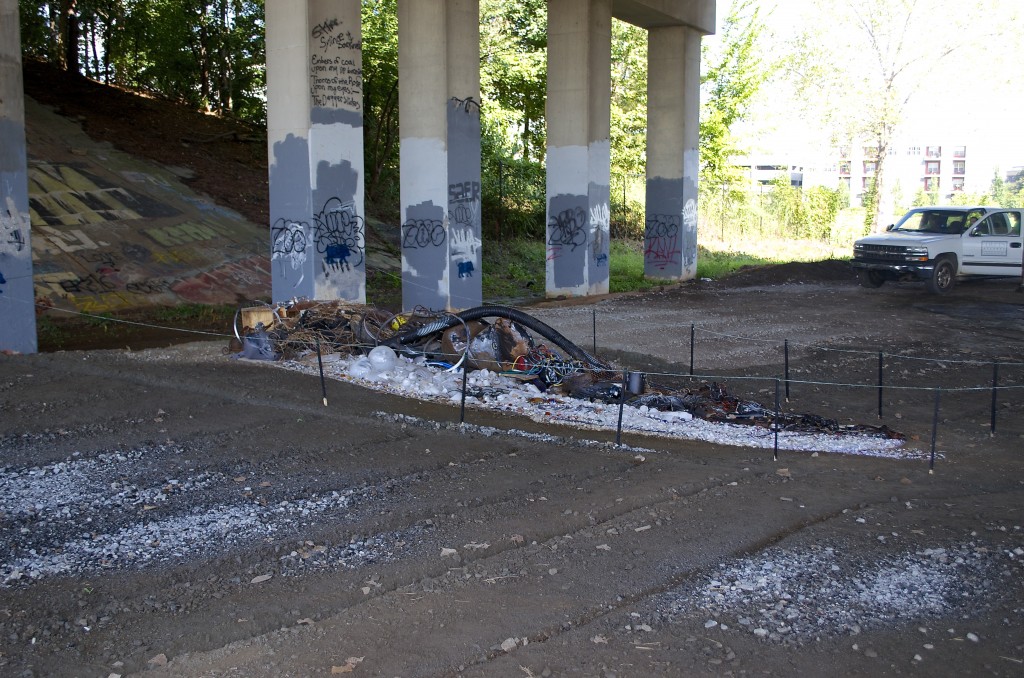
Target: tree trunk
<point>73,32</point>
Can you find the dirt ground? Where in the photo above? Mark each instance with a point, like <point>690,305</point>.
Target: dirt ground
<point>466,551</point>
<point>232,525</point>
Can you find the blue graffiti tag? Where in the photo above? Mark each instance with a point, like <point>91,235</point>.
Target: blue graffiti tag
<point>3,281</point>
<point>466,269</point>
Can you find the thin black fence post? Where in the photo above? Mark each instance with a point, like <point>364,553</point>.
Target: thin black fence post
<point>995,389</point>
<point>593,318</point>
<point>323,383</point>
<point>693,331</point>
<point>881,373</point>
<point>786,353</point>
<point>622,403</point>
<point>935,429</point>
<point>462,407</point>
<point>775,422</point>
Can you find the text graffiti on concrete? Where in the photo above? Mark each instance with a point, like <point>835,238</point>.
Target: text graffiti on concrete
<point>422,233</point>
<point>568,228</point>
<point>338,234</point>
<point>335,80</point>
<point>661,240</point>
<point>13,227</point>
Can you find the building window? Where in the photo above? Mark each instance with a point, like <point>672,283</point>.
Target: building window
<point>931,167</point>
<point>844,152</point>
<point>958,183</point>
<point>931,184</point>
<point>870,151</point>
<point>960,152</point>
<point>934,151</point>
<point>870,166</point>
<point>846,180</point>
<point>958,166</point>
<point>914,150</point>
<point>844,167</point>
<point>865,183</point>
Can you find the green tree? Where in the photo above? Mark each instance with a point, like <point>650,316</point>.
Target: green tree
<point>733,75</point>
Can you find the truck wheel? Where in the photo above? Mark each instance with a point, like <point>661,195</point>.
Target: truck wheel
<point>943,276</point>
<point>868,278</point>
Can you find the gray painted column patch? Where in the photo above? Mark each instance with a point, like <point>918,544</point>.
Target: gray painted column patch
<point>568,226</point>
<point>464,200</point>
<point>291,234</point>
<point>424,242</point>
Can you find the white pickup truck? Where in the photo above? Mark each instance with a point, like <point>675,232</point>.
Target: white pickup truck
<point>937,245</point>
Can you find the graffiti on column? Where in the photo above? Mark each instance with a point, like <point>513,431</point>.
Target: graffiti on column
<point>422,233</point>
<point>661,240</point>
<point>289,246</point>
<point>463,216</point>
<point>600,223</point>
<point>339,235</point>
<point>468,104</point>
<point>568,228</point>
<point>13,228</point>
<point>335,81</point>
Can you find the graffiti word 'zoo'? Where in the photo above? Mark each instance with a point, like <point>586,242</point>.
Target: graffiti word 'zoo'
<point>420,233</point>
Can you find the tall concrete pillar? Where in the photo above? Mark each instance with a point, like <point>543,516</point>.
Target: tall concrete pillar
<point>315,145</point>
<point>579,146</point>
<point>673,107</point>
<point>439,119</point>
<point>17,295</point>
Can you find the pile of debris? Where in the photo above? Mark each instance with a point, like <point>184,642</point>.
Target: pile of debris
<point>500,340</point>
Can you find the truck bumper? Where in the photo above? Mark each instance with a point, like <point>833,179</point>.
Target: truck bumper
<point>894,271</point>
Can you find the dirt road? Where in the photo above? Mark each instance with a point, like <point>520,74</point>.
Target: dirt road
<point>179,513</point>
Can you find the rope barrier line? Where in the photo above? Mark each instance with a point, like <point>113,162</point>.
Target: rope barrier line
<point>817,347</point>
<point>657,374</point>
<point>133,322</point>
<point>831,383</point>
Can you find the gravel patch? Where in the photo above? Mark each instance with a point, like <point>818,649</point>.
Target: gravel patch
<point>83,514</point>
<point>794,596</point>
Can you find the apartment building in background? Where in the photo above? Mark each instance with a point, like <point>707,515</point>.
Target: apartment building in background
<point>934,167</point>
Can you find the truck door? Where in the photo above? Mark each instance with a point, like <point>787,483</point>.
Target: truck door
<point>993,245</point>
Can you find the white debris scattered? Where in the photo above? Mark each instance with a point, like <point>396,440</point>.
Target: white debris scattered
<point>485,389</point>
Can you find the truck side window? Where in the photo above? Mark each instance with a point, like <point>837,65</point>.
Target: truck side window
<point>1014,219</point>
<point>999,226</point>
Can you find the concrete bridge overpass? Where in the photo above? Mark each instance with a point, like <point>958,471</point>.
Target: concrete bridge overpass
<point>315,147</point>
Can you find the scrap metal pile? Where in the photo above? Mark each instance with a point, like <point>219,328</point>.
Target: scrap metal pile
<point>502,340</point>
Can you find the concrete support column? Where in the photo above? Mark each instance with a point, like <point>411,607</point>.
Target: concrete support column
<point>17,295</point>
<point>579,146</point>
<point>464,196</point>
<point>673,107</point>
<point>315,139</point>
<point>439,118</point>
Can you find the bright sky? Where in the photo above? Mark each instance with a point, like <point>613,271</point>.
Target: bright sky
<point>976,97</point>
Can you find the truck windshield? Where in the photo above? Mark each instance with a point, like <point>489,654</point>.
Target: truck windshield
<point>934,221</point>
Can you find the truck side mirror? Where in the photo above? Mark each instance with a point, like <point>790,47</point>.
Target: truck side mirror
<point>890,227</point>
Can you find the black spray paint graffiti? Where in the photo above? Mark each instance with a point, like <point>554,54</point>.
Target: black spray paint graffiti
<point>421,233</point>
<point>464,202</point>
<point>3,281</point>
<point>152,286</point>
<point>568,228</point>
<point>338,236</point>
<point>11,223</point>
<point>468,104</point>
<point>289,244</point>
<point>661,240</point>
<point>90,284</point>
